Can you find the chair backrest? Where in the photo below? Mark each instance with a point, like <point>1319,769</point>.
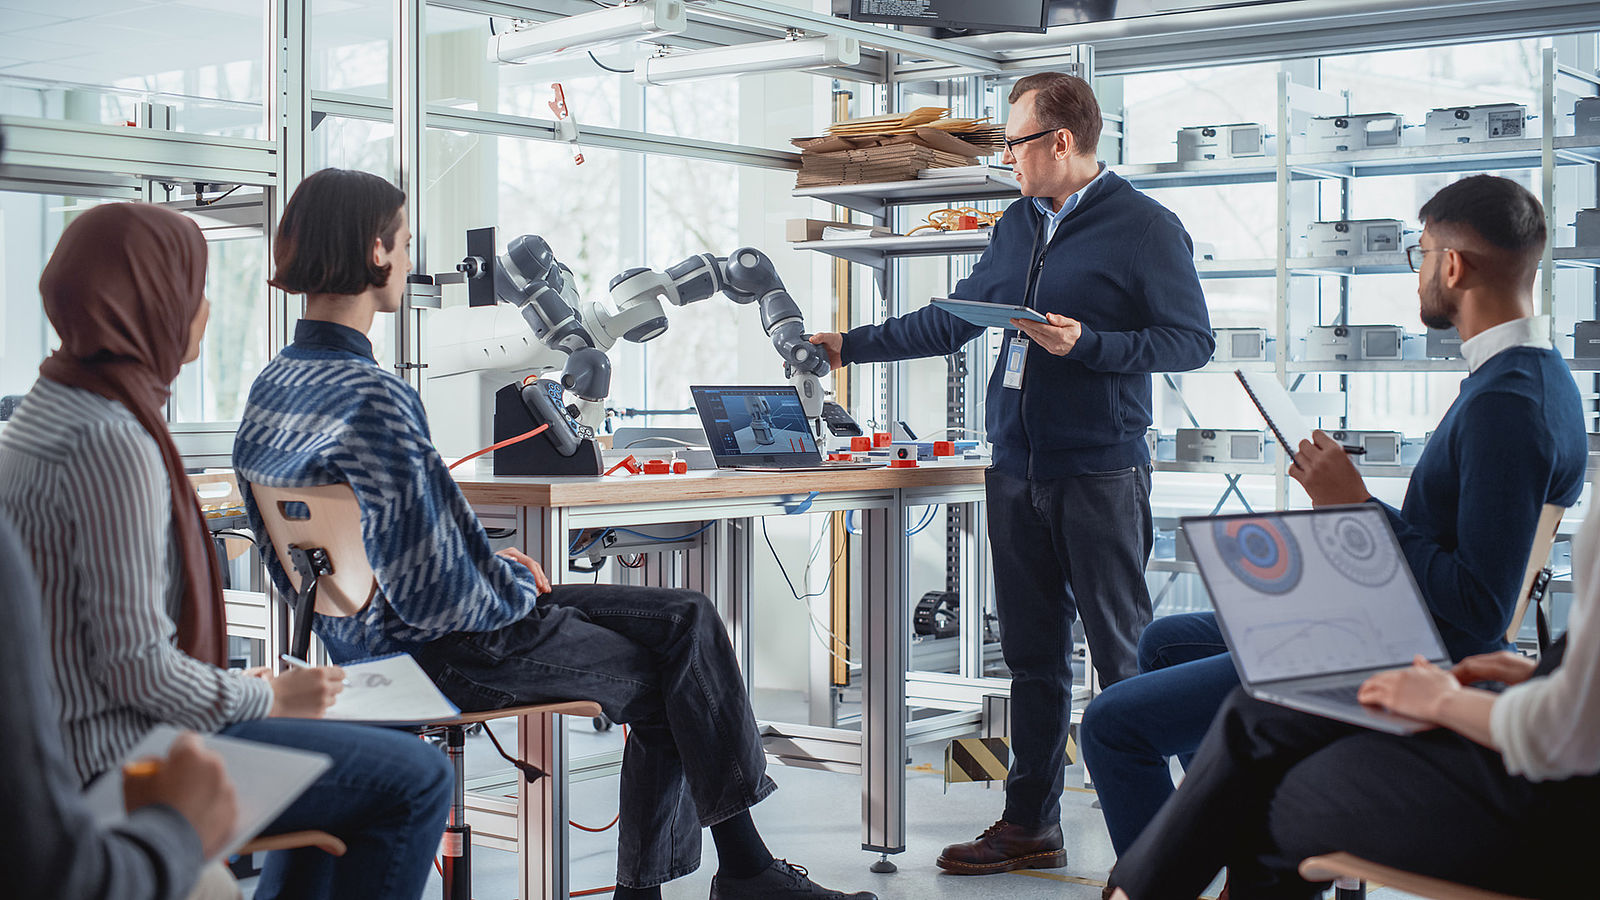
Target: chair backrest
<point>1544,537</point>
<point>326,516</point>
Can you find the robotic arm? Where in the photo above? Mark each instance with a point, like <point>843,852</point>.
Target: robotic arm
<point>747,276</point>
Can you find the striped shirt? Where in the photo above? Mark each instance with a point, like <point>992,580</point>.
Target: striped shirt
<point>86,488</point>
<point>324,412</point>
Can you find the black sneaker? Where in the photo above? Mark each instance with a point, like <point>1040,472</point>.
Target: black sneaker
<point>781,879</point>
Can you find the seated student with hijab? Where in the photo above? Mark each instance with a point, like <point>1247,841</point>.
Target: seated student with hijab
<point>487,626</point>
<point>130,586</point>
<point>1502,796</point>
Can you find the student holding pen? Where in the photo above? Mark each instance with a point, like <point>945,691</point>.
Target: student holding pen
<point>1512,442</point>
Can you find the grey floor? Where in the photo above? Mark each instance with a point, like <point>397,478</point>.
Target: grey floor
<point>814,820</point>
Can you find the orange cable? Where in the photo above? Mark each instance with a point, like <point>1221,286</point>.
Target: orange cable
<point>505,443</point>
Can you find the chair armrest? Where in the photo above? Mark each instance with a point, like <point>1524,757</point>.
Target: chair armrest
<point>1344,865</point>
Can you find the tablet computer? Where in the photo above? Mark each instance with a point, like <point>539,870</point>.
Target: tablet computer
<point>988,315</point>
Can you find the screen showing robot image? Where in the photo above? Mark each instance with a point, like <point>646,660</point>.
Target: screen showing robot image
<point>1312,592</point>
<point>754,421</point>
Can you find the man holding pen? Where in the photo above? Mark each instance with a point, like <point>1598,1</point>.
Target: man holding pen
<point>1512,442</point>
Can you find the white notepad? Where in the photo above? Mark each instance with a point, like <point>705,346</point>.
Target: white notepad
<point>389,690</point>
<point>267,779</point>
<point>1277,407</point>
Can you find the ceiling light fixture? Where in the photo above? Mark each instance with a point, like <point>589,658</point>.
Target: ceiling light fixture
<point>741,59</point>
<point>590,31</point>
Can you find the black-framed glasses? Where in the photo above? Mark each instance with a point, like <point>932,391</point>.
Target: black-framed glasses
<point>1011,143</point>
<point>1416,253</point>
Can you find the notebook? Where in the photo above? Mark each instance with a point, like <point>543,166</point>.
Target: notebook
<point>1314,602</point>
<point>266,779</point>
<point>1288,425</point>
<point>389,690</point>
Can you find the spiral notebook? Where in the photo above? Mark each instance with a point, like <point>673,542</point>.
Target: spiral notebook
<point>1277,407</point>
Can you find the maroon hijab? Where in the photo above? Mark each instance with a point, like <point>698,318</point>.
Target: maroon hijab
<point>122,289</point>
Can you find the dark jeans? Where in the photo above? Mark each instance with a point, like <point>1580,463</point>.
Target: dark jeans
<point>656,659</point>
<point>386,796</point>
<point>1063,548</point>
<point>1133,727</point>
<point>1271,786</point>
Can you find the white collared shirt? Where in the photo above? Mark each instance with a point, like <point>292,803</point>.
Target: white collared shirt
<point>1052,218</point>
<point>1531,331</point>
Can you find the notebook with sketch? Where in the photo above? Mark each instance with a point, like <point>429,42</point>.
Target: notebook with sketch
<point>1312,603</point>
<point>389,690</point>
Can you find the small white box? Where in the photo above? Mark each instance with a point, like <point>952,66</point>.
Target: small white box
<point>1383,447</point>
<point>1586,117</point>
<point>1236,141</point>
<point>1242,345</point>
<point>1221,445</point>
<point>1325,343</point>
<point>1354,237</point>
<point>1470,124</point>
<point>1356,132</point>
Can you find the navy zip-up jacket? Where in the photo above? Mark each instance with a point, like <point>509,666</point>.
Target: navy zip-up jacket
<point>1121,264</point>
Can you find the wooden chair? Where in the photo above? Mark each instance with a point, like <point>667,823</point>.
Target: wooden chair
<point>1351,873</point>
<point>294,840</point>
<point>1339,866</point>
<point>316,532</point>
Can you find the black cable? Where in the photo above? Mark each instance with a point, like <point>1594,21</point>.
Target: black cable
<point>200,201</point>
<point>781,571</point>
<point>602,65</point>
<point>236,534</point>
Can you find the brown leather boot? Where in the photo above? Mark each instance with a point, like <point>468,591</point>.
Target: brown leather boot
<point>1004,847</point>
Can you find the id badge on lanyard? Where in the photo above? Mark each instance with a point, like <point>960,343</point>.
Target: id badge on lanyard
<point>1016,360</point>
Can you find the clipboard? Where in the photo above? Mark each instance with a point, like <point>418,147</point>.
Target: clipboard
<point>1276,407</point>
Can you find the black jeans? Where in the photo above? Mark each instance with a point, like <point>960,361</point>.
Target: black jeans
<point>1063,548</point>
<point>1271,786</point>
<point>656,659</point>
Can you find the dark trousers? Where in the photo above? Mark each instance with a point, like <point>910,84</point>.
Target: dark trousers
<point>1063,548</point>
<point>1271,786</point>
<point>656,659</point>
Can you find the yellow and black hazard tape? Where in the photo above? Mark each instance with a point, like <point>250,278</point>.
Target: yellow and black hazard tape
<point>977,759</point>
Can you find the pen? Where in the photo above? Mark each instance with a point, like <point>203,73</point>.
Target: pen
<point>299,663</point>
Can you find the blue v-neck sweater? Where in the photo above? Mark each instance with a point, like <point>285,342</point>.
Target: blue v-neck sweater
<point>1121,264</point>
<point>1512,441</point>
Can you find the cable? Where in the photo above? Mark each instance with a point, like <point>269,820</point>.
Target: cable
<point>596,60</point>
<point>505,443</point>
<point>949,218</point>
<point>663,539</point>
<point>927,518</point>
<point>200,201</point>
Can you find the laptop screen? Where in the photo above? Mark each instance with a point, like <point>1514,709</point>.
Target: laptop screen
<point>1312,592</point>
<point>755,426</point>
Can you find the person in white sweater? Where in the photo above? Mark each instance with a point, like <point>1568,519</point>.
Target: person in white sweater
<point>1502,796</point>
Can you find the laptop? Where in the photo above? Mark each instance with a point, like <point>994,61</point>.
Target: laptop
<point>761,428</point>
<point>1312,603</point>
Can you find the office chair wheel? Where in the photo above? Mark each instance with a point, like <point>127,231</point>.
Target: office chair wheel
<point>601,723</point>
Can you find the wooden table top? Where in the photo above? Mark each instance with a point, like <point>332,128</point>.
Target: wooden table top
<point>483,488</point>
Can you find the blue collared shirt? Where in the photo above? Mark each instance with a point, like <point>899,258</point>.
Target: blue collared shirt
<point>1052,218</point>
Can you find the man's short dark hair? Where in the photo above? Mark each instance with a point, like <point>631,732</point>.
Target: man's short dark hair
<point>1497,209</point>
<point>1064,101</point>
<point>324,243</point>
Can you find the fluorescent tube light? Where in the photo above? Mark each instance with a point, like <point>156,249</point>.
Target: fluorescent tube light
<point>590,30</point>
<point>740,59</point>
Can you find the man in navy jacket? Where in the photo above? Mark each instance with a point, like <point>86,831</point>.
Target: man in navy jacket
<point>1068,494</point>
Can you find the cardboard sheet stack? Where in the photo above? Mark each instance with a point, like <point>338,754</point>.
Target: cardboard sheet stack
<point>894,147</point>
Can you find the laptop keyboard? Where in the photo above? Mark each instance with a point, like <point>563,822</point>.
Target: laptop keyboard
<point>1344,693</point>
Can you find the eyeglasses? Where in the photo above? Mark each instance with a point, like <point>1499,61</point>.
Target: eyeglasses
<point>1415,254</point>
<point>1011,143</point>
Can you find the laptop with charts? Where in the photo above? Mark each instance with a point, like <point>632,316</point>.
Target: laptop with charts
<point>761,427</point>
<point>1312,603</point>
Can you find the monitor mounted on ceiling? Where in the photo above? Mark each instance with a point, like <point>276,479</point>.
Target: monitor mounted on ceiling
<point>984,15</point>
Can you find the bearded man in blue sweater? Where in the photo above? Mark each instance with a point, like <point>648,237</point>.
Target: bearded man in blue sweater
<point>1512,441</point>
<point>1068,494</point>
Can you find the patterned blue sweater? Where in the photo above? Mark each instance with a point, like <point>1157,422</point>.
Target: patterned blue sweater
<point>322,412</point>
